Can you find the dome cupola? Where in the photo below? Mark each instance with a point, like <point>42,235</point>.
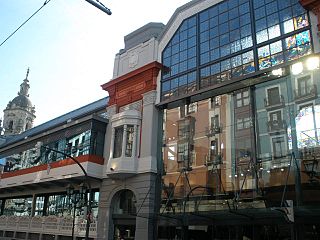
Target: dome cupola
<point>19,113</point>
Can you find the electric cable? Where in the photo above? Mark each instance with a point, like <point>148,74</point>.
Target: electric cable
<point>44,4</point>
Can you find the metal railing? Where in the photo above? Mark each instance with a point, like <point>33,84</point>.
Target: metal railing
<point>274,102</point>
<point>48,225</point>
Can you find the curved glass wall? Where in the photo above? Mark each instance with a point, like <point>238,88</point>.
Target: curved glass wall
<point>221,44</point>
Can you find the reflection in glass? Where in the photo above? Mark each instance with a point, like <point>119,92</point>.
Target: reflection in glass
<point>75,145</point>
<point>227,148</point>
<point>307,124</point>
<point>118,136</point>
<point>130,139</point>
<point>18,207</point>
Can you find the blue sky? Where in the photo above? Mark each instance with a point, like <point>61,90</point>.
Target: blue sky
<point>69,46</point>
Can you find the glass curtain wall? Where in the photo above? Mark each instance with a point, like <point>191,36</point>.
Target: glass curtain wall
<point>208,153</point>
<point>245,149</point>
<point>231,40</point>
<point>88,142</point>
<point>54,204</point>
<point>18,206</point>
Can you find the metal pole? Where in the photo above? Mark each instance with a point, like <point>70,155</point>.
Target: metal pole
<point>74,217</point>
<point>88,213</point>
<point>101,7</point>
<point>295,154</point>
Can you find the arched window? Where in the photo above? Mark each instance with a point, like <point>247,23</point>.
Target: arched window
<point>127,202</point>
<point>28,126</point>
<point>10,126</point>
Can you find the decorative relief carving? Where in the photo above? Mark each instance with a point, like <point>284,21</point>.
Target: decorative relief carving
<point>133,59</point>
<point>130,87</point>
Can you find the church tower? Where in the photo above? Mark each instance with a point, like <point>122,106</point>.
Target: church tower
<point>19,113</point>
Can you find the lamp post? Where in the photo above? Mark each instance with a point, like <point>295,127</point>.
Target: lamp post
<point>39,147</point>
<point>310,166</point>
<point>72,197</point>
<point>77,200</point>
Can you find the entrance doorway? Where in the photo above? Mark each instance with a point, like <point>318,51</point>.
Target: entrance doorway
<point>124,232</point>
<point>124,215</point>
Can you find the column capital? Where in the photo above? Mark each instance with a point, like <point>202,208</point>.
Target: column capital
<point>111,110</point>
<point>149,97</point>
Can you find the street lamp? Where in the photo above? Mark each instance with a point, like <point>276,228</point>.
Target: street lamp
<point>77,199</point>
<point>310,166</point>
<point>83,187</point>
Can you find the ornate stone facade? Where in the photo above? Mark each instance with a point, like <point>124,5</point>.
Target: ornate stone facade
<point>19,113</point>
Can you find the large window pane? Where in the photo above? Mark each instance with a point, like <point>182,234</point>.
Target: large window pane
<point>130,139</point>
<point>118,136</point>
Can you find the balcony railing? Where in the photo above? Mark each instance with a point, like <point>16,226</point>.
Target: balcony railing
<point>214,160</point>
<point>210,131</point>
<point>276,126</point>
<point>309,94</point>
<point>47,225</point>
<point>271,104</point>
<point>185,161</point>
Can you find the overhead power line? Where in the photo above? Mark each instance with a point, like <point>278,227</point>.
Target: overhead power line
<point>44,4</point>
<point>101,7</point>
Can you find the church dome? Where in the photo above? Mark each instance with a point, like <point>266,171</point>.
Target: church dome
<point>20,101</point>
<point>19,113</point>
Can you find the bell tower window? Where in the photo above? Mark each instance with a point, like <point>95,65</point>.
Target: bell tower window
<point>10,126</point>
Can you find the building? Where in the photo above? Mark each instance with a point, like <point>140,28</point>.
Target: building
<point>43,195</point>
<point>128,192</point>
<point>210,131</point>
<point>114,139</point>
<point>19,113</point>
<point>239,101</point>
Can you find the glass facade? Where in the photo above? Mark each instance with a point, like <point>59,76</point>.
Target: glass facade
<point>56,204</point>
<point>17,206</point>
<point>87,142</point>
<point>248,145</point>
<point>221,43</point>
<point>245,149</point>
